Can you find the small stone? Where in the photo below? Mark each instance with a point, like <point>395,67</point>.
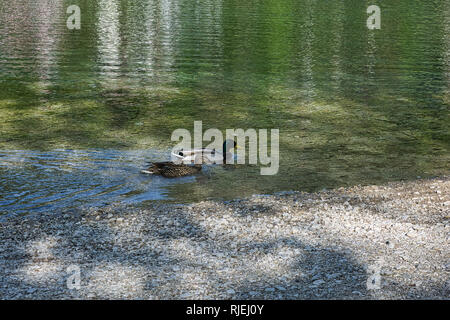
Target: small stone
<point>315,277</point>
<point>318,282</point>
<point>332,276</point>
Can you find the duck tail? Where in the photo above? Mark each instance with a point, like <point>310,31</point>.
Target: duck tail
<point>150,169</point>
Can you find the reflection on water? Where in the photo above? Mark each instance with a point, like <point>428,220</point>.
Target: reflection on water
<point>353,105</point>
<point>63,179</point>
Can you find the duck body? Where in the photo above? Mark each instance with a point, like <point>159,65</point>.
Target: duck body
<point>208,155</point>
<point>172,170</point>
<point>182,166</point>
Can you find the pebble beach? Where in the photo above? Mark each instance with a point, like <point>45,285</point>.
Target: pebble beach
<point>364,242</point>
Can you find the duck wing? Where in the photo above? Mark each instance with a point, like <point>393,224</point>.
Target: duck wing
<point>160,165</point>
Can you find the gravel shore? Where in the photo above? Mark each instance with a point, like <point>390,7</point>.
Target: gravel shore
<point>371,242</point>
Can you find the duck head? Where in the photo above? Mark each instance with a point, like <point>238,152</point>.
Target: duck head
<point>227,146</point>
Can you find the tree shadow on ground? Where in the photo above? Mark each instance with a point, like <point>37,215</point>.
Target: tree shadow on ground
<point>223,250</point>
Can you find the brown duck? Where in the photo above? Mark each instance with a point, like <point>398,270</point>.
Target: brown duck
<point>172,170</point>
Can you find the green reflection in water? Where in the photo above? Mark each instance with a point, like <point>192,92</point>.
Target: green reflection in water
<point>352,105</point>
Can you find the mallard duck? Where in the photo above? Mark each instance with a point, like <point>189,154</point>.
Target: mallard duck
<point>172,170</point>
<point>208,155</point>
<point>179,168</point>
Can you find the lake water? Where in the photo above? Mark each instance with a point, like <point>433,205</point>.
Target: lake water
<point>81,111</point>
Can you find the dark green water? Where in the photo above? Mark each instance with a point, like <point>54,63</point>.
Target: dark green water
<point>354,106</point>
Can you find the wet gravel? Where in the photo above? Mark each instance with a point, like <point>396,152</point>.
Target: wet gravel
<point>371,242</point>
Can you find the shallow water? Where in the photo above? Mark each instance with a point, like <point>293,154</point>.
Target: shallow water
<point>86,108</point>
<point>64,179</point>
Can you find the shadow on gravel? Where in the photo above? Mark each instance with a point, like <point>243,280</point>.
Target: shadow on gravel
<point>35,265</point>
<point>321,273</point>
<point>166,253</point>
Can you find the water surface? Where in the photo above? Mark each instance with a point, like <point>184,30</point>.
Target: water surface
<point>82,110</point>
